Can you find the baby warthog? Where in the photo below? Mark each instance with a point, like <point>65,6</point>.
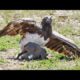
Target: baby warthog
<point>32,51</point>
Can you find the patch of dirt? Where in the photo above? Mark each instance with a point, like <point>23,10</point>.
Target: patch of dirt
<point>10,63</point>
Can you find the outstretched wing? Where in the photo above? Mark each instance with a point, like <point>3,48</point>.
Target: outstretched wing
<point>63,45</point>
<point>17,27</point>
<point>57,42</point>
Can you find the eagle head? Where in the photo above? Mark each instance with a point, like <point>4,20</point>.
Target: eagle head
<point>46,27</point>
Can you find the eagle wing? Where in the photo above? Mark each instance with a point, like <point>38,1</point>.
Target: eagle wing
<point>17,27</point>
<point>57,42</point>
<point>63,45</point>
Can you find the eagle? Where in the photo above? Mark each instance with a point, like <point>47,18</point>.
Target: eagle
<point>41,34</point>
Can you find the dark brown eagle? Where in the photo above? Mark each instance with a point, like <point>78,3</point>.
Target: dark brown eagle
<point>41,34</point>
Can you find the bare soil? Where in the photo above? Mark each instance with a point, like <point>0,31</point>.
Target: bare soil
<point>9,62</point>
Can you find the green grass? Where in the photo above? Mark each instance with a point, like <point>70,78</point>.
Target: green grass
<point>2,61</point>
<point>7,42</point>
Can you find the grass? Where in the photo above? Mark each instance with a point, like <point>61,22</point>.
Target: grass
<point>2,61</point>
<point>7,42</point>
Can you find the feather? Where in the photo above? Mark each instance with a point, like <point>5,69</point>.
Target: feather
<point>20,26</point>
<point>63,45</point>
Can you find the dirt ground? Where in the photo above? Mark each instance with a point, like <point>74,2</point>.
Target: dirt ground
<point>10,64</point>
